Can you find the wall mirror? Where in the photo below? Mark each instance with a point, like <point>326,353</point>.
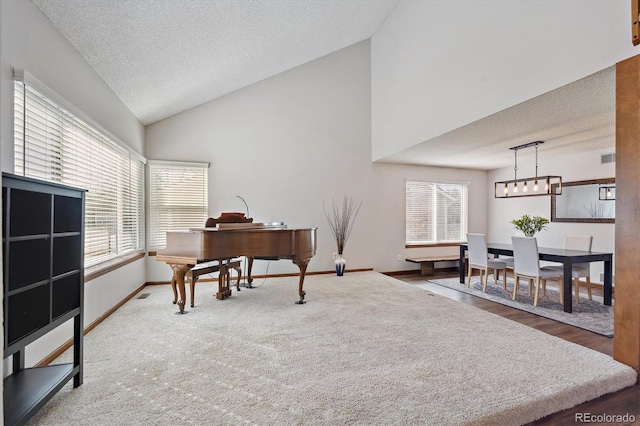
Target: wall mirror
<point>582,201</point>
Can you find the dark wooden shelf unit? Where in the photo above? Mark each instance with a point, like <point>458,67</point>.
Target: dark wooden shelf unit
<point>43,270</point>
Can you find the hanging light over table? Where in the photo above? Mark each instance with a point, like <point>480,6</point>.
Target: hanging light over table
<point>524,187</point>
<point>607,193</point>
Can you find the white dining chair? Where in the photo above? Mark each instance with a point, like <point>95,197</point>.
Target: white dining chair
<point>509,260</point>
<point>580,270</point>
<point>526,264</point>
<point>479,259</point>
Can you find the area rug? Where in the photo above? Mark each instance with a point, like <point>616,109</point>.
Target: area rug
<point>590,315</point>
<point>366,349</point>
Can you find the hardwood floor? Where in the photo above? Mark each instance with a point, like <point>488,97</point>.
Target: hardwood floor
<point>626,401</point>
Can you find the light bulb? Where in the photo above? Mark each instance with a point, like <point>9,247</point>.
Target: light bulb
<point>515,187</point>
<point>535,185</point>
<point>524,188</point>
<point>506,189</point>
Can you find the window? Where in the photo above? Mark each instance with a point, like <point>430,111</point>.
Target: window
<point>435,212</point>
<point>177,198</point>
<point>56,145</point>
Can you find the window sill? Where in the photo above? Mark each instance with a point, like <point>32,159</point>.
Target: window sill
<point>106,267</point>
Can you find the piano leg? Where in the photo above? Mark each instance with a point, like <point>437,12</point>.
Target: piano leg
<point>239,272</point>
<point>249,266</point>
<point>179,271</point>
<point>174,282</point>
<point>302,264</point>
<point>192,287</point>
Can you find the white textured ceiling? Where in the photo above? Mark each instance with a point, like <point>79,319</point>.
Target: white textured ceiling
<point>576,118</point>
<point>162,57</point>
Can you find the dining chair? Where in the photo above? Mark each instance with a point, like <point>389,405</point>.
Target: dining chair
<point>527,265</point>
<point>507,259</point>
<point>479,259</point>
<point>580,270</point>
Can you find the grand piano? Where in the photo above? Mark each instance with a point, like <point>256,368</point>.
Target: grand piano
<point>187,249</point>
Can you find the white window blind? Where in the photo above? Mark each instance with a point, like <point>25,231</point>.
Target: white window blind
<point>53,144</point>
<point>178,198</point>
<point>436,212</point>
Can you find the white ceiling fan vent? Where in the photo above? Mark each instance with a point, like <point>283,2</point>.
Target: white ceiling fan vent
<point>607,158</point>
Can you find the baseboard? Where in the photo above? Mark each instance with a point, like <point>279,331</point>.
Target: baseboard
<point>69,343</point>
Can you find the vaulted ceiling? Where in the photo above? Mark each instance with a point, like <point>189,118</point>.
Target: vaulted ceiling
<point>162,57</point>
<point>576,118</point>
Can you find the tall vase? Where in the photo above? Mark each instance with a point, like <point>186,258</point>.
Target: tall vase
<point>340,265</point>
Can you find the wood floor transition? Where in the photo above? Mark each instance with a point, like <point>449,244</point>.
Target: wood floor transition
<point>626,401</point>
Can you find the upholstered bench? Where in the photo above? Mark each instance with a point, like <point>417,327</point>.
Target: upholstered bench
<point>427,264</point>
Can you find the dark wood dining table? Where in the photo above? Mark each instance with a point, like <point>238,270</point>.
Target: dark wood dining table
<point>567,257</point>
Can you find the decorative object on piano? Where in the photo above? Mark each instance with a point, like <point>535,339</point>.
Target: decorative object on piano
<point>227,217</point>
<point>341,220</point>
<point>231,214</point>
<point>530,225</point>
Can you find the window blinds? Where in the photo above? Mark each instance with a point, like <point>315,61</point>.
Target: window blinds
<point>178,198</point>
<point>53,144</point>
<point>435,212</point>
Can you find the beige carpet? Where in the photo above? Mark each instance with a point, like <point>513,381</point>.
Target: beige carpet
<point>366,349</point>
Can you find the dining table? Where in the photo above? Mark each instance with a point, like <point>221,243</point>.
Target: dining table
<point>566,257</point>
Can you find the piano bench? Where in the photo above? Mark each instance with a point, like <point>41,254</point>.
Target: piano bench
<point>204,268</point>
<point>224,278</point>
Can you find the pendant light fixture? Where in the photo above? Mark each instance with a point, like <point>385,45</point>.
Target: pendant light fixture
<point>607,193</point>
<point>524,187</point>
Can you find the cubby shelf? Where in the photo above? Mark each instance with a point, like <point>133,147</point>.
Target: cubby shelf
<point>43,246</point>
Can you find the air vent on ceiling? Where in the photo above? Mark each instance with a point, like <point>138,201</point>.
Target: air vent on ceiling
<point>607,158</point>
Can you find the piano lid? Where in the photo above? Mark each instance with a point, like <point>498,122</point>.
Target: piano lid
<point>254,225</point>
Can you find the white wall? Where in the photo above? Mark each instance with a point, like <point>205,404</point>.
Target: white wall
<point>572,168</point>
<point>29,41</point>
<point>287,143</point>
<point>439,65</point>
<point>389,183</point>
